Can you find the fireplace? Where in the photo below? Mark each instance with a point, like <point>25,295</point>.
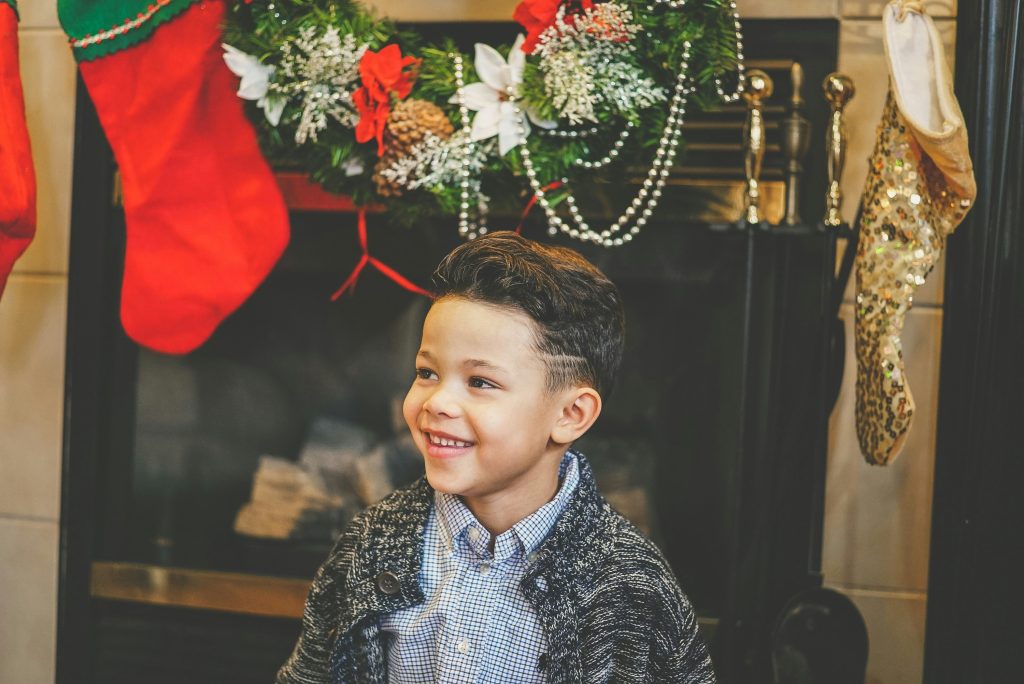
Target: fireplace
<point>713,442</point>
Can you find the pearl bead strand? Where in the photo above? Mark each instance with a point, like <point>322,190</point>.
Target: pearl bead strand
<point>570,133</point>
<point>467,229</point>
<point>641,209</point>
<point>740,67</point>
<point>613,153</point>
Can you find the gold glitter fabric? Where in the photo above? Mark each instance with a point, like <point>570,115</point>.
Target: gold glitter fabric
<point>920,186</point>
<point>910,206</point>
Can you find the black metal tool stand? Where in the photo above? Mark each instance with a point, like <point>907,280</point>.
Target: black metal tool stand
<point>793,365</point>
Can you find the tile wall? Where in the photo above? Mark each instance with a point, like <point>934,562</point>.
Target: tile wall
<point>32,332</point>
<point>877,520</point>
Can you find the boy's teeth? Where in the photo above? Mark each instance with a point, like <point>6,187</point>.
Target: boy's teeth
<point>440,441</point>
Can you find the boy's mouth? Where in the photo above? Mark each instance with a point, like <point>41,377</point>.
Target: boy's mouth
<point>443,440</point>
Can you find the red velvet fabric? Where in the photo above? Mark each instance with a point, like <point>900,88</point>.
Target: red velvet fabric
<point>205,217</point>
<point>17,177</point>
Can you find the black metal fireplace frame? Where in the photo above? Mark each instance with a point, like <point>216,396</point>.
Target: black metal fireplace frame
<point>788,389</point>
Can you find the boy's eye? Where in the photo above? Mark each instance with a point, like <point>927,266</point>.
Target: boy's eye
<point>425,374</point>
<point>480,383</point>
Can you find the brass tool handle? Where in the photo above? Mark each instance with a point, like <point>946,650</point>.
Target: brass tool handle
<point>759,87</point>
<point>838,91</point>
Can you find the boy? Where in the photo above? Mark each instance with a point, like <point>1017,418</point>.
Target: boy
<point>504,564</point>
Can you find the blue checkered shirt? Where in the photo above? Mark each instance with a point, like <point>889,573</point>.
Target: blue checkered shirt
<point>475,624</point>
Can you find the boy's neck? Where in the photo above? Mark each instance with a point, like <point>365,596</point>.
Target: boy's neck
<point>499,511</point>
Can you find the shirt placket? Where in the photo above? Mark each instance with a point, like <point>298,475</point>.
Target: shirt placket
<point>463,643</point>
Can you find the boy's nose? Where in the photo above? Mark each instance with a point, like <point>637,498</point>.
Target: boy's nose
<point>441,403</point>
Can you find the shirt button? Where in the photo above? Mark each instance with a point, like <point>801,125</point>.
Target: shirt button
<point>463,646</point>
<point>533,556</point>
<point>474,533</point>
<point>485,568</point>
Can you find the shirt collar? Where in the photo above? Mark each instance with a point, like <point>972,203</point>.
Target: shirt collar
<point>458,525</point>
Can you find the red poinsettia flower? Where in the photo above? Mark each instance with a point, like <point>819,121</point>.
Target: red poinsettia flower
<point>538,15</point>
<point>373,118</point>
<point>385,74</point>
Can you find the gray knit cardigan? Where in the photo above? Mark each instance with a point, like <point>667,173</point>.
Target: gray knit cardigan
<point>610,607</point>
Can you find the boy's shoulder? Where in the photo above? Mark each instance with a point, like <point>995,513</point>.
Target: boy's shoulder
<point>591,526</point>
<point>629,538</point>
<point>630,581</point>
<point>633,554</point>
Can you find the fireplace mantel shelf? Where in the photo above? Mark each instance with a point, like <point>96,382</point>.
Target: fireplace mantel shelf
<point>302,194</point>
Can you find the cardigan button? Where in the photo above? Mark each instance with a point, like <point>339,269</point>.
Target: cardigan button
<point>388,583</point>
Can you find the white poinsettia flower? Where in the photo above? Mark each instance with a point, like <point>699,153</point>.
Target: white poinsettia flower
<point>255,79</point>
<point>495,113</point>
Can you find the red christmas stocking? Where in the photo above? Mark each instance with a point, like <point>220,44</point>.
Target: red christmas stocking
<point>205,218</point>
<point>17,178</point>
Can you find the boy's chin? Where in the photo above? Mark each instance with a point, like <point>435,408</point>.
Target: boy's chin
<point>445,483</point>
<point>440,483</point>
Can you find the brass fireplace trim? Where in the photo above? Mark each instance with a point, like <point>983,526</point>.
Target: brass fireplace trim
<point>204,589</point>
<point>224,591</point>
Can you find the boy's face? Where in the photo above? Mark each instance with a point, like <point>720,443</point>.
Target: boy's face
<point>478,408</point>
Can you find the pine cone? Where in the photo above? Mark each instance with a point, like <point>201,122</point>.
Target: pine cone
<point>408,124</point>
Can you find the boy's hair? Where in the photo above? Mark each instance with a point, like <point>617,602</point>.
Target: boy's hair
<point>577,310</point>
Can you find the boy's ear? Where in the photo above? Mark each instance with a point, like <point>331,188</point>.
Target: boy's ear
<point>580,408</point>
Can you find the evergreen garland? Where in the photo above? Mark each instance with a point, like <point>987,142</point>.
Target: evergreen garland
<point>261,28</point>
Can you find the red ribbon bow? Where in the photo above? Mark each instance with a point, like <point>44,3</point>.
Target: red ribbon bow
<point>350,282</point>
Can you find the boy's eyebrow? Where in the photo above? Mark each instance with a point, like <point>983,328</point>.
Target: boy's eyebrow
<point>469,363</point>
<point>480,363</point>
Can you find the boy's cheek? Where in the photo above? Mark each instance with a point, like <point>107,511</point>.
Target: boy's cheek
<point>411,410</point>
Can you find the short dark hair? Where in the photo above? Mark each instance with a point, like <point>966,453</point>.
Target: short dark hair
<point>577,310</point>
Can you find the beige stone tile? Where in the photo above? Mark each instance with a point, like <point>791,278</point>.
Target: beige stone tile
<point>38,13</point>
<point>896,624</point>
<point>32,341</point>
<point>862,58</point>
<point>873,8</point>
<point>48,79</point>
<point>765,9</point>
<point>28,601</point>
<point>878,519</point>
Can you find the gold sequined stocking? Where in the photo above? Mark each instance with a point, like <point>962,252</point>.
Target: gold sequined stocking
<point>920,185</point>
